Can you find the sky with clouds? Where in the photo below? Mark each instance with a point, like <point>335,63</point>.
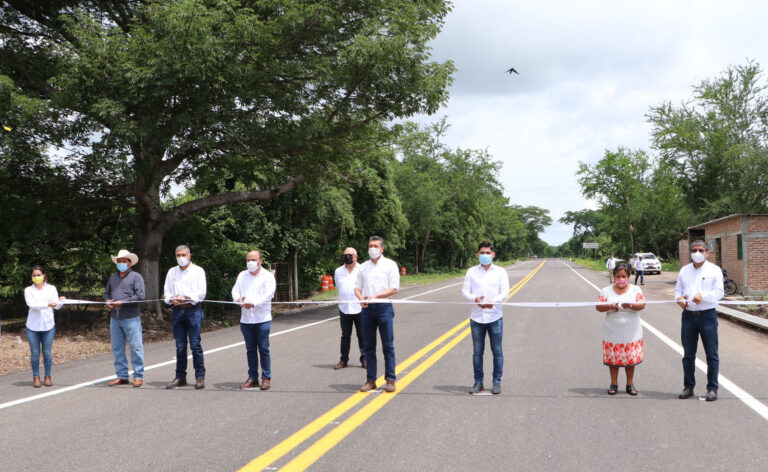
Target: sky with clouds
<point>589,72</point>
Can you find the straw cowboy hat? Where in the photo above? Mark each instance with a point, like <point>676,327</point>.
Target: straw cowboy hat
<point>129,255</point>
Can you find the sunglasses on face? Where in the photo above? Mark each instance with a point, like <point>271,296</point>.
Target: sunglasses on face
<point>698,250</point>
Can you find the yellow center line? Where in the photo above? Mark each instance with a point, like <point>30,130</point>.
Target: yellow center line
<point>515,288</point>
<point>291,442</point>
<point>327,442</point>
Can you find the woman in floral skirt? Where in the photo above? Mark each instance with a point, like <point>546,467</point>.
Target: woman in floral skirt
<point>622,331</point>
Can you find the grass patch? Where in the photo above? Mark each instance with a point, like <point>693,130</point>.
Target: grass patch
<point>429,277</point>
<point>672,266</point>
<point>322,296</point>
<point>590,263</point>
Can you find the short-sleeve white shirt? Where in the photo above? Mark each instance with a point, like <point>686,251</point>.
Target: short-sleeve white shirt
<point>189,282</point>
<point>345,283</point>
<point>258,290</point>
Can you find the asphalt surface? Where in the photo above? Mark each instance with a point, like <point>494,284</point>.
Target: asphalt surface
<point>553,413</point>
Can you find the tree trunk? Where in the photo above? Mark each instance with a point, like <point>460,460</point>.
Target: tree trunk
<point>296,274</point>
<point>422,251</point>
<point>148,243</point>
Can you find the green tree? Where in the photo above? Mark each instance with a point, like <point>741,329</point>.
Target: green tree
<point>154,94</point>
<point>716,143</point>
<point>617,183</point>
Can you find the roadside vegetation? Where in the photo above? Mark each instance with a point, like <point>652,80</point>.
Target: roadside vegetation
<point>707,160</point>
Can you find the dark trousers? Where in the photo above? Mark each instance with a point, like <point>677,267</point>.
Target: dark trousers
<point>379,316</point>
<point>186,324</point>
<point>256,337</point>
<point>704,324</point>
<point>639,273</point>
<point>347,321</point>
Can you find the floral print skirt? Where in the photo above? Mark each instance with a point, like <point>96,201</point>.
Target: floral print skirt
<point>624,354</point>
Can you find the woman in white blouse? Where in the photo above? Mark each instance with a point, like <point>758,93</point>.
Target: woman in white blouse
<point>622,330</point>
<point>41,299</point>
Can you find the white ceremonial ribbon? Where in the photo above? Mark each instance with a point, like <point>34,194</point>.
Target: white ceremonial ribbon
<point>424,302</point>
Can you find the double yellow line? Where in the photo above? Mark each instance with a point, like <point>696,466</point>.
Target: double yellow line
<point>310,455</point>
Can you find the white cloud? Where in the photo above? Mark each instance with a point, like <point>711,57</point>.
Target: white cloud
<point>589,71</point>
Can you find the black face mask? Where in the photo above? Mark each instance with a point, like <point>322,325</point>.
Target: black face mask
<point>348,258</point>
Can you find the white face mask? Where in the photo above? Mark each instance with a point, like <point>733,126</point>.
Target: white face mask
<point>253,266</point>
<point>698,257</point>
<point>374,252</point>
<point>182,261</point>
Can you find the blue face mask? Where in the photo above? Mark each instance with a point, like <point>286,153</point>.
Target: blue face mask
<point>485,259</point>
<point>122,266</point>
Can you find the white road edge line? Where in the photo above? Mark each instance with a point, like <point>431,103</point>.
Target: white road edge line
<point>759,407</point>
<point>171,362</point>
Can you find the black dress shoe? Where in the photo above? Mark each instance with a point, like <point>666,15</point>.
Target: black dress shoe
<point>711,395</point>
<point>176,383</point>
<point>686,393</point>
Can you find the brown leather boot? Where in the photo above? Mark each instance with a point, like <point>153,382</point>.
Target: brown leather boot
<point>36,382</point>
<point>389,387</point>
<point>47,381</point>
<point>265,384</point>
<point>250,384</point>
<point>368,386</point>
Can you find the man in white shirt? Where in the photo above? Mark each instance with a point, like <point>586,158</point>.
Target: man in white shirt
<point>698,291</point>
<point>185,289</point>
<point>349,312</point>
<point>610,264</point>
<point>639,269</point>
<point>487,285</point>
<point>378,278</point>
<point>254,290</point>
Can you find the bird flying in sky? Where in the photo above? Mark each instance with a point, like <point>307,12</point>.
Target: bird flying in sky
<point>512,69</point>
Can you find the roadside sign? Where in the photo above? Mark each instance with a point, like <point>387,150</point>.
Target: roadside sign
<point>590,245</point>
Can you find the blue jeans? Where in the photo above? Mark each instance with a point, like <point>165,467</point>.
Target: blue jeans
<point>128,330</point>
<point>381,316</point>
<point>186,324</point>
<point>35,339</point>
<point>256,336</point>
<point>495,330</point>
<point>640,274</point>
<point>703,324</point>
<point>347,322</point>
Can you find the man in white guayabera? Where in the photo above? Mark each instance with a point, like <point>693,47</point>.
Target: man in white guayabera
<point>698,290</point>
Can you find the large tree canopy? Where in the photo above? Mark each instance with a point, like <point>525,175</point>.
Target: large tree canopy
<point>144,95</point>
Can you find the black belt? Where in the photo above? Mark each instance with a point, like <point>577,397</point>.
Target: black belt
<point>186,305</point>
<point>700,312</point>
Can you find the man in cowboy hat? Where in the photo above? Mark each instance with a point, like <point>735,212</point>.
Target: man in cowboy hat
<point>124,291</point>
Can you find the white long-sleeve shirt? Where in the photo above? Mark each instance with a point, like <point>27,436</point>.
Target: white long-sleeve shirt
<point>189,282</point>
<point>707,280</point>
<point>40,315</point>
<point>345,282</point>
<point>375,278</point>
<point>639,265</point>
<point>257,290</point>
<point>492,284</point>
<point>610,264</point>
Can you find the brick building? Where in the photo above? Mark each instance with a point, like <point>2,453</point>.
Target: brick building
<point>739,244</point>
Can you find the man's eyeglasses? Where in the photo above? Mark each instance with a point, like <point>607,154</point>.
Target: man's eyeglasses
<point>698,250</point>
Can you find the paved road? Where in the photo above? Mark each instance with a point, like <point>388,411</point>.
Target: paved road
<point>552,415</point>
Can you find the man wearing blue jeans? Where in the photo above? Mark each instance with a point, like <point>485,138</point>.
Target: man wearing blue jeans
<point>487,285</point>
<point>379,278</point>
<point>698,291</point>
<point>254,290</point>
<point>185,289</point>
<point>125,289</point>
